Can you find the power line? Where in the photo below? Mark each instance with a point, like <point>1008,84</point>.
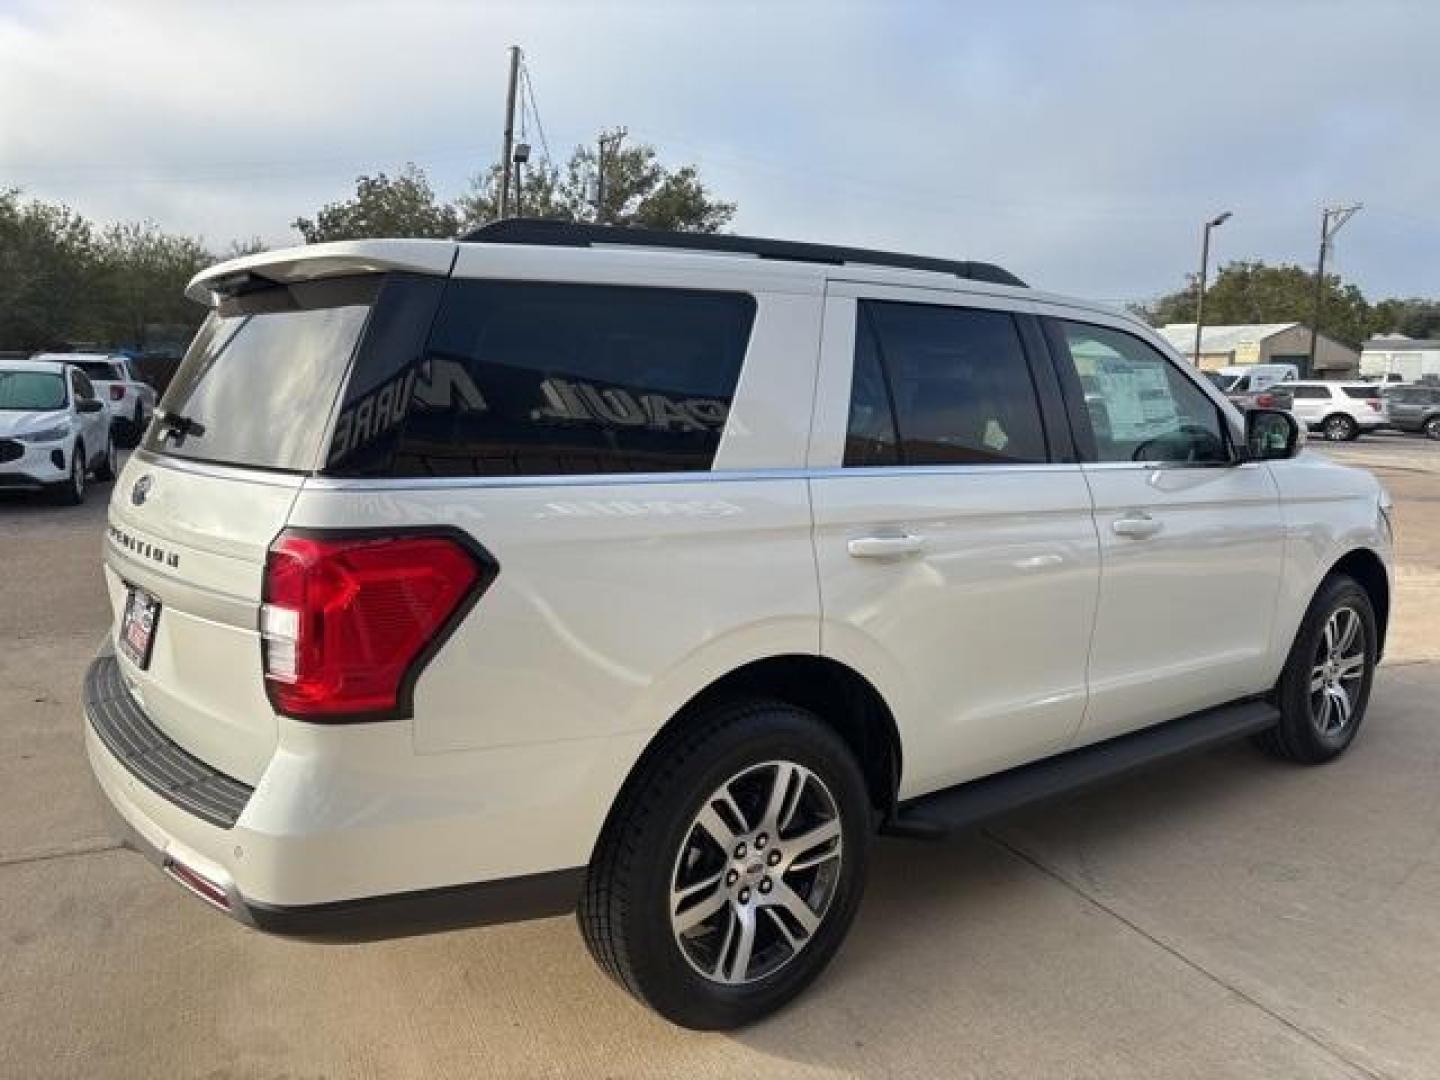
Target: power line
<point>529,97</point>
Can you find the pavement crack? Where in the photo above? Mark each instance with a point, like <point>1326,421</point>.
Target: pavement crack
<point>84,847</point>
<point>1303,1033</point>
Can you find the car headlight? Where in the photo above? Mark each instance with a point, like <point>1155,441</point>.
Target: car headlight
<point>50,434</point>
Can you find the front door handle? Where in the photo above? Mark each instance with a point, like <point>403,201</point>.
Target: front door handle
<point>1137,526</point>
<point>885,547</point>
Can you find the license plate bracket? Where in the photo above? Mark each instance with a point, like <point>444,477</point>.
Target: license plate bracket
<point>137,626</point>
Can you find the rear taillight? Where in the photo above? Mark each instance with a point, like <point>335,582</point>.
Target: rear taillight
<point>117,393</point>
<point>1265,401</point>
<point>349,619</point>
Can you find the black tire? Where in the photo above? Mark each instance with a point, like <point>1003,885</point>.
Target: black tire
<point>71,491</point>
<point>1298,736</point>
<point>106,469</point>
<point>625,911</point>
<point>1431,428</point>
<point>1339,428</point>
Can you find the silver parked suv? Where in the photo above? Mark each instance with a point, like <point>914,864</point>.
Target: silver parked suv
<point>649,575</point>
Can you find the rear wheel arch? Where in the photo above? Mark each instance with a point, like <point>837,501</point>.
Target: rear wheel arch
<point>837,694</point>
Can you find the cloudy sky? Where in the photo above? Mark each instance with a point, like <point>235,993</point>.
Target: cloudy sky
<point>1079,145</point>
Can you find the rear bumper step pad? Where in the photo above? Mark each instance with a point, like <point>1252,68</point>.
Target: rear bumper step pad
<point>151,756</point>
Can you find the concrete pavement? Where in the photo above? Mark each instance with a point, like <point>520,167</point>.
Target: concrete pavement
<point>1227,916</point>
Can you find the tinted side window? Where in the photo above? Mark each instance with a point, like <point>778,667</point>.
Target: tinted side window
<point>540,379</point>
<point>1363,392</point>
<point>1310,391</point>
<point>957,381</point>
<point>82,386</point>
<point>1140,406</point>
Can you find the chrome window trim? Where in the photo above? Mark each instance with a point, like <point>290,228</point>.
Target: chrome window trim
<point>245,474</point>
<point>442,483</point>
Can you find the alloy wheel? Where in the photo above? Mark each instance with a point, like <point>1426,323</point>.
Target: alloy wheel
<point>1337,673</point>
<point>77,471</point>
<point>1432,427</point>
<point>756,872</point>
<point>1337,429</point>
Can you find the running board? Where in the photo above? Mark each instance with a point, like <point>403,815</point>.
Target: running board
<point>942,813</point>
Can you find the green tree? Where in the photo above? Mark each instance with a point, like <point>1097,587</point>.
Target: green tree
<point>542,195</point>
<point>144,272</point>
<point>403,206</point>
<point>639,191</point>
<point>1414,317</point>
<point>49,268</point>
<point>1252,292</point>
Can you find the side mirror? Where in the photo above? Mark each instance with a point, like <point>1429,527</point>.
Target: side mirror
<point>1272,434</point>
<point>89,405</point>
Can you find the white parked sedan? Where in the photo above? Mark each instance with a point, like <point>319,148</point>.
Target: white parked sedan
<point>54,429</point>
<point>129,398</point>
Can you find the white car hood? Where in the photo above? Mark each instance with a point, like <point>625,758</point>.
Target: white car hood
<point>22,421</point>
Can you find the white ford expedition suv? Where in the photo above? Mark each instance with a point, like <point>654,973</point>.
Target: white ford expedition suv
<point>650,575</point>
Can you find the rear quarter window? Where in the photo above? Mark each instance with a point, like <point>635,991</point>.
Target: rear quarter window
<point>533,379</point>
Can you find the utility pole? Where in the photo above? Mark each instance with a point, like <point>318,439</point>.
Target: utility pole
<point>609,144</point>
<point>1332,219</point>
<point>505,164</point>
<point>1213,223</point>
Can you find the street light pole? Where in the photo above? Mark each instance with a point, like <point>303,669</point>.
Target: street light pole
<point>1213,223</point>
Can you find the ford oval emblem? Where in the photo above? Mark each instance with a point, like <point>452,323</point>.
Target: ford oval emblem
<point>141,489</point>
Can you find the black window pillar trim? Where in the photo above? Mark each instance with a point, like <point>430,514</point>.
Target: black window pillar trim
<point>1071,393</point>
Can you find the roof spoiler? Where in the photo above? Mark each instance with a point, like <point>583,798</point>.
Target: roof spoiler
<point>339,259</point>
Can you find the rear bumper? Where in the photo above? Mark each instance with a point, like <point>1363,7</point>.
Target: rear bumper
<point>167,807</point>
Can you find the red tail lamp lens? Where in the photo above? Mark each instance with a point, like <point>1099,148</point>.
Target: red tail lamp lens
<point>348,620</point>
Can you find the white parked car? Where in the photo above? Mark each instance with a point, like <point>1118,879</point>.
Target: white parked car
<point>1339,411</point>
<point>130,399</point>
<point>54,430</point>
<point>651,574</point>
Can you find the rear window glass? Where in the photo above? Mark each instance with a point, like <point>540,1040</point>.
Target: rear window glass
<point>1364,390</point>
<point>99,369</point>
<point>258,382</point>
<point>534,379</point>
<point>31,390</point>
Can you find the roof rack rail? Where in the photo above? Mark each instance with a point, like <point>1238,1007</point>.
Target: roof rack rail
<point>581,234</point>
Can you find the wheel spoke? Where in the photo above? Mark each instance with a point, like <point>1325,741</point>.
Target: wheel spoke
<point>1351,624</point>
<point>697,913</point>
<point>1317,680</point>
<point>787,898</point>
<point>1322,718</point>
<point>1352,667</point>
<point>720,830</point>
<point>1342,707</point>
<point>795,943</point>
<point>739,967</point>
<point>718,970</point>
<point>1330,636</point>
<point>807,842</point>
<point>781,803</point>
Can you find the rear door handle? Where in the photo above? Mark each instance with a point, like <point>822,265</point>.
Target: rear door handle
<point>1137,526</point>
<point>884,547</point>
